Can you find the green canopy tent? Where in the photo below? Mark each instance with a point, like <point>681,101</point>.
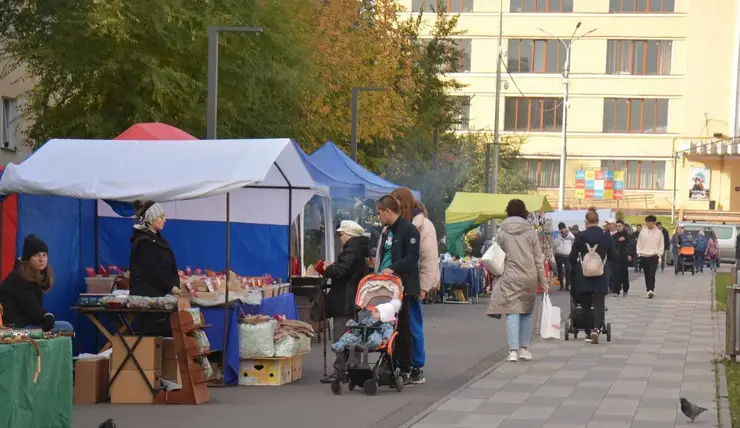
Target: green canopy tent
<point>469,210</point>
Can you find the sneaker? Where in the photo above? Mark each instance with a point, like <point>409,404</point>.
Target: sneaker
<point>588,338</point>
<point>525,355</point>
<point>651,294</point>
<point>594,338</point>
<point>513,357</point>
<point>417,377</point>
<point>624,294</point>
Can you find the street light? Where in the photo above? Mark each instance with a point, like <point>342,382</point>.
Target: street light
<point>212,103</point>
<point>566,93</point>
<point>355,114</point>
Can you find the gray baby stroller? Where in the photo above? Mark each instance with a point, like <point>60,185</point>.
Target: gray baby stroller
<point>685,261</point>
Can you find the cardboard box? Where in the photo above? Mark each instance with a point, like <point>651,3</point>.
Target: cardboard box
<point>91,381</point>
<point>148,353</point>
<point>170,370</point>
<point>272,372</point>
<point>296,368</point>
<point>130,387</point>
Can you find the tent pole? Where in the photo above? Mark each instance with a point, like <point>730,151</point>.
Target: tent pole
<point>96,248</point>
<point>226,297</point>
<point>290,211</point>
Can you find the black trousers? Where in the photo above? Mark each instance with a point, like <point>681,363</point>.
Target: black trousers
<point>403,347</point>
<point>593,318</point>
<point>620,277</point>
<point>563,263</point>
<point>649,266</point>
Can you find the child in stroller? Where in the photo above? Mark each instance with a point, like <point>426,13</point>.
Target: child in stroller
<point>380,296</point>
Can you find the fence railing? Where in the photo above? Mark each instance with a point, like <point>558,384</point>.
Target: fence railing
<point>732,315</point>
<point>645,201</point>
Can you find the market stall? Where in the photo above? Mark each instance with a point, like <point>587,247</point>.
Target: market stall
<point>213,188</point>
<point>470,210</point>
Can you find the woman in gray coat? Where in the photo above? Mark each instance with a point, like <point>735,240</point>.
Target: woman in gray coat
<point>515,291</point>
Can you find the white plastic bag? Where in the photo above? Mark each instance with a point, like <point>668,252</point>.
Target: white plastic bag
<point>494,259</point>
<point>256,341</point>
<point>550,327</point>
<point>287,347</point>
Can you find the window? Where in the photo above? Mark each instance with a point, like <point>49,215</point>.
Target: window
<point>533,114</point>
<point>453,6</point>
<point>642,6</point>
<point>536,56</point>
<point>648,116</point>
<point>644,175</point>
<point>462,112</point>
<point>638,57</point>
<point>462,61</point>
<point>9,118</point>
<point>541,172</point>
<point>539,6</point>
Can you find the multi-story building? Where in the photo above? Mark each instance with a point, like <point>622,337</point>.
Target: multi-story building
<point>653,92</point>
<point>13,147</point>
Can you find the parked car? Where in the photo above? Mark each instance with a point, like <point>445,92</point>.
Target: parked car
<point>726,238</point>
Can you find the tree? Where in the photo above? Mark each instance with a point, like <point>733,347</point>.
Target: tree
<point>101,66</point>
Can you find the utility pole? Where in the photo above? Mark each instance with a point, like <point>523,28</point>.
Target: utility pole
<point>497,108</point>
<point>356,115</point>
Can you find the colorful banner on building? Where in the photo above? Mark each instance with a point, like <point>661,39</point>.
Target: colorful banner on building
<point>599,184</point>
<point>699,185</point>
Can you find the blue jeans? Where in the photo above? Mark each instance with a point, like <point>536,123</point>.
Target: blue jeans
<point>59,327</point>
<point>699,262</point>
<point>518,330</point>
<point>416,322</point>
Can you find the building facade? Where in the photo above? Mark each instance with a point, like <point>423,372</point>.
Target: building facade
<point>13,147</point>
<point>653,94</point>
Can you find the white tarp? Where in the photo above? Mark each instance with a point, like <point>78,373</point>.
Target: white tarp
<point>163,171</point>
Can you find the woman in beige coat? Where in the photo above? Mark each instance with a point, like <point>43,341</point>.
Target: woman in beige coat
<point>515,291</point>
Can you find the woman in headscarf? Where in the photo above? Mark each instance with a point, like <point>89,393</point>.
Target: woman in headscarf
<point>152,261</point>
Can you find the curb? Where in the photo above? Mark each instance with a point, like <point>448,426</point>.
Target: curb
<point>723,402</point>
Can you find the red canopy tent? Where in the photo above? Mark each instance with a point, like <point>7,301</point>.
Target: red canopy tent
<point>154,131</point>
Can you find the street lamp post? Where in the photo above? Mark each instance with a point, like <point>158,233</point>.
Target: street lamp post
<point>566,97</point>
<point>211,115</point>
<point>355,115</point>
<point>493,183</point>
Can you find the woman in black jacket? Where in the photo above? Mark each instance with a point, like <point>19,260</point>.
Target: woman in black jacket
<point>152,261</point>
<point>345,275</point>
<point>22,291</point>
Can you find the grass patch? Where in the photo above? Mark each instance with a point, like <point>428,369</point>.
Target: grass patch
<point>640,219</point>
<point>733,390</point>
<point>721,282</point>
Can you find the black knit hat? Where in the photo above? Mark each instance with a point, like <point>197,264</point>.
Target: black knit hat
<point>33,245</point>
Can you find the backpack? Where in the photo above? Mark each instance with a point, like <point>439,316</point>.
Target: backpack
<point>591,264</point>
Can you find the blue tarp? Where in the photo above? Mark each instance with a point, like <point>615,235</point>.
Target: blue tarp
<point>331,160</point>
<point>337,187</point>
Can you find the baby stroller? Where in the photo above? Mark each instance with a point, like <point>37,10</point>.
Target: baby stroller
<point>372,290</point>
<point>576,322</point>
<point>685,259</point>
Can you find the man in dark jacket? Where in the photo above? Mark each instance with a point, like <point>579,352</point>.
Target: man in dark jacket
<point>632,248</point>
<point>620,264</point>
<point>666,243</point>
<point>592,290</point>
<point>399,255</point>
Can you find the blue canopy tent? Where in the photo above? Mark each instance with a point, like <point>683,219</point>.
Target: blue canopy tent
<point>332,161</point>
<point>337,187</point>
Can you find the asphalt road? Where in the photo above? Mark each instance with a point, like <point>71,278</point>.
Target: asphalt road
<point>461,342</point>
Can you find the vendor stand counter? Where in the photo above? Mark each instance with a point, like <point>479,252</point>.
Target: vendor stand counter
<point>214,317</point>
<point>469,280</point>
<point>47,403</point>
<point>124,317</point>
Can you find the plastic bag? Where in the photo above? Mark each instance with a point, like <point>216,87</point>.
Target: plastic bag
<point>195,313</point>
<point>494,259</point>
<point>550,328</point>
<point>304,344</point>
<point>287,347</point>
<point>256,341</point>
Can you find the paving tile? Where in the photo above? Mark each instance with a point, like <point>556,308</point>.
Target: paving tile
<point>533,413</point>
<point>477,393</point>
<point>486,383</point>
<point>553,391</point>
<point>496,409</point>
<point>655,415</point>
<point>509,397</point>
<point>522,423</point>
<point>572,415</point>
<point>559,425</point>
<point>461,404</point>
<point>481,421</point>
<point>617,407</point>
<point>443,417</point>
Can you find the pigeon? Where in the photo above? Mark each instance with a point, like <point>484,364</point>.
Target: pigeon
<point>691,410</point>
<point>107,424</point>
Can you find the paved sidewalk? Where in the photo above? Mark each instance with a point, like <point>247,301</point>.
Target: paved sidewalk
<point>661,349</point>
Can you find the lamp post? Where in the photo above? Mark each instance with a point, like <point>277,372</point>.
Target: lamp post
<point>566,96</point>
<point>493,184</point>
<point>211,115</point>
<point>355,115</point>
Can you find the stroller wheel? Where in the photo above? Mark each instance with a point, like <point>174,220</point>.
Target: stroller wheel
<point>370,387</point>
<point>399,382</point>
<point>350,386</point>
<point>608,332</point>
<point>336,387</point>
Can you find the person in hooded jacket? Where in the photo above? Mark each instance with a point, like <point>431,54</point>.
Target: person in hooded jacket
<point>152,266</point>
<point>515,291</point>
<point>592,291</point>
<point>22,291</point>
